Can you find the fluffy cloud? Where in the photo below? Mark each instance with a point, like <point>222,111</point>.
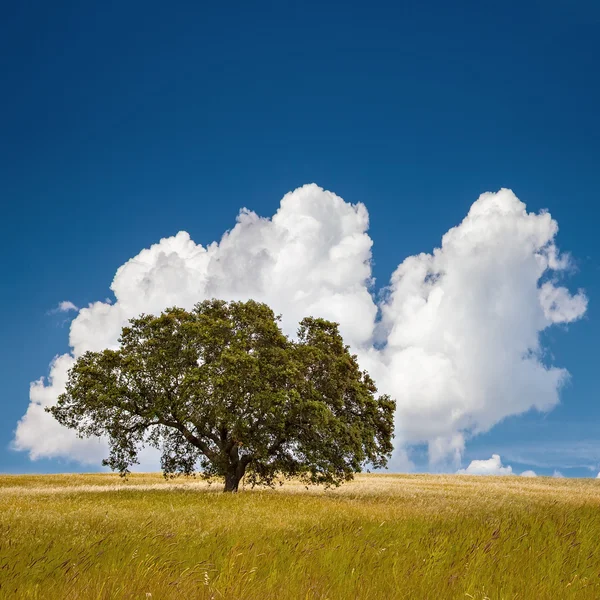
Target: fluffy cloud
<point>457,344</point>
<point>491,466</point>
<point>598,476</point>
<point>45,437</point>
<point>528,474</point>
<point>557,474</point>
<point>462,326</point>
<point>65,306</point>
<point>312,257</point>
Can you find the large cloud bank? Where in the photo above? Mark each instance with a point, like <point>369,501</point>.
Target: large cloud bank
<point>457,342</point>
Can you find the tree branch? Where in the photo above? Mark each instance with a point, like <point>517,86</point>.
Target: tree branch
<point>191,438</point>
<point>140,426</point>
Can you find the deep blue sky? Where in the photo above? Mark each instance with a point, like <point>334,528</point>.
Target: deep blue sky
<point>124,122</point>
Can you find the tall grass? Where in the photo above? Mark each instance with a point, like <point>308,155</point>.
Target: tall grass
<point>382,536</point>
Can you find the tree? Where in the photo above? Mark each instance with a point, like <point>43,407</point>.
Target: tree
<point>221,387</point>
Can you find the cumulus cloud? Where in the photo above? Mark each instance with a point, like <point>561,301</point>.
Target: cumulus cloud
<point>462,326</point>
<point>457,343</point>
<point>528,474</point>
<point>557,474</point>
<point>598,476</point>
<point>491,466</point>
<point>44,437</point>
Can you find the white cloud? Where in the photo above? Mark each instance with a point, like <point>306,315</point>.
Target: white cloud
<point>575,450</point>
<point>44,437</point>
<point>401,462</point>
<point>598,476</point>
<point>65,306</point>
<point>557,474</point>
<point>558,304</point>
<point>491,466</point>
<point>462,326</point>
<point>458,344</point>
<point>528,474</point>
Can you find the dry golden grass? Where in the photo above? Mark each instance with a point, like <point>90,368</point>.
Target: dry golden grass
<point>382,536</point>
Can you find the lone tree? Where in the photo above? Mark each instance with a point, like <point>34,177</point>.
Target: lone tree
<point>222,388</point>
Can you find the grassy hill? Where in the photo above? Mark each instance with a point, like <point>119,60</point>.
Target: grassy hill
<point>382,536</point>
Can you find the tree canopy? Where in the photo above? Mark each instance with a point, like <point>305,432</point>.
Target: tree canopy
<point>222,390</point>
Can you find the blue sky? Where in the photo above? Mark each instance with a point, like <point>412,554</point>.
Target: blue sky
<point>125,123</point>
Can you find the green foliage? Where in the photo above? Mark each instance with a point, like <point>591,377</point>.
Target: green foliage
<point>222,387</point>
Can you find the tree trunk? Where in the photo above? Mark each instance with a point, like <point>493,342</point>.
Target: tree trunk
<point>234,475</point>
<point>236,467</point>
<point>232,481</point>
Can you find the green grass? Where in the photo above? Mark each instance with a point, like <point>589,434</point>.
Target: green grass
<point>391,536</point>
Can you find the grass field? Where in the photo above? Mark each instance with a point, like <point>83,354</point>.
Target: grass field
<point>382,536</point>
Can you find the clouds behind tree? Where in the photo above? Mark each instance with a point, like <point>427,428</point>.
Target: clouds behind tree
<point>458,343</point>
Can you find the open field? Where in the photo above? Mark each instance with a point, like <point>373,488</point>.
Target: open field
<point>382,536</point>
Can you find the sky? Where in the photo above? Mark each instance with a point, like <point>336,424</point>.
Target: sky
<point>424,175</point>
